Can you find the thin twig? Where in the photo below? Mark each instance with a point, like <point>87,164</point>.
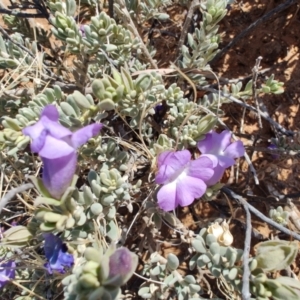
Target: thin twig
<point>246,270</point>
<point>148,280</point>
<point>255,72</point>
<point>264,114</point>
<point>264,18</point>
<point>243,120</point>
<point>193,6</point>
<point>6,198</point>
<point>260,215</point>
<point>20,14</point>
<point>31,293</point>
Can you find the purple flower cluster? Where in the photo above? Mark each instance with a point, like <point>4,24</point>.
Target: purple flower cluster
<point>57,254</point>
<point>57,146</point>
<point>183,180</point>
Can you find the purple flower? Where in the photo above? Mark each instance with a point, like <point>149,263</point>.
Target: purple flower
<point>57,146</point>
<point>218,147</point>
<point>274,148</point>
<point>183,179</point>
<point>57,254</point>
<point>7,272</point>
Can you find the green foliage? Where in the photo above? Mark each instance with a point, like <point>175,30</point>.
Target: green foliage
<point>149,9</point>
<point>12,56</point>
<point>165,270</point>
<point>279,215</point>
<point>77,211</point>
<point>276,255</point>
<point>93,279</point>
<point>102,37</point>
<point>113,85</point>
<point>204,42</point>
<point>225,262</point>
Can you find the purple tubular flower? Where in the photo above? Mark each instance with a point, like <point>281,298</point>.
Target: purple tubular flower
<point>57,254</point>
<point>7,272</point>
<point>183,179</point>
<point>57,146</point>
<point>218,147</point>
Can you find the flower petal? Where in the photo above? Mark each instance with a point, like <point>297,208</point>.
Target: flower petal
<point>165,172</point>
<point>218,173</point>
<point>201,168</point>
<point>166,196</point>
<point>224,139</point>
<point>49,119</point>
<point>176,159</point>
<point>50,112</point>
<point>206,145</point>
<point>55,148</point>
<point>163,157</point>
<point>212,157</point>
<point>38,134</point>
<point>65,258</point>
<point>47,124</point>
<point>169,163</point>
<point>188,189</point>
<point>226,161</point>
<point>235,150</point>
<point>8,269</point>
<point>58,173</point>
<point>215,143</point>
<point>11,271</point>
<point>56,253</point>
<point>52,246</point>
<point>82,135</point>
<point>7,272</point>
<point>3,280</point>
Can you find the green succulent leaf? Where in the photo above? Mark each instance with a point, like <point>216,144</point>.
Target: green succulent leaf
<point>276,255</point>
<point>285,288</point>
<point>199,245</point>
<point>172,262</point>
<point>16,236</point>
